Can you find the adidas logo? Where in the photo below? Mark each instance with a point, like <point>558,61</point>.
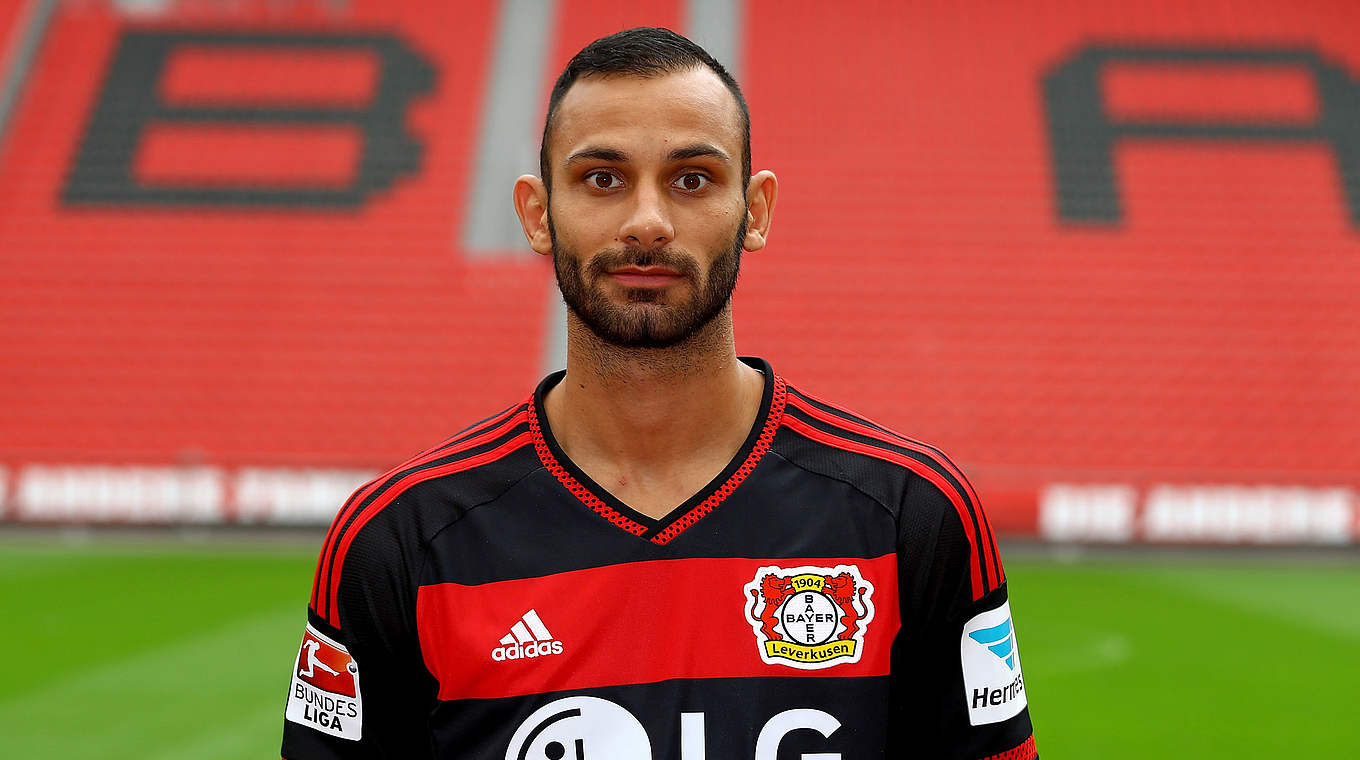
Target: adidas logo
<point>528,638</point>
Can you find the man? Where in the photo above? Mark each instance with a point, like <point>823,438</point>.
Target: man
<point>666,551</point>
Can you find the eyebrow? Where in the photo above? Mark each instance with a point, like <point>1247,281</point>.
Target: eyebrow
<point>595,153</point>
<point>698,150</point>
<point>600,153</point>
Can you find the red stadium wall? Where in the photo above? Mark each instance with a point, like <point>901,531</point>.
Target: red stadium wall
<point>1105,255</point>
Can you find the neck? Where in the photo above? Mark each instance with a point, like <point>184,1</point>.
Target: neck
<point>648,414</point>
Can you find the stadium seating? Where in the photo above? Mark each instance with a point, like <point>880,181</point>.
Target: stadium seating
<point>238,239</point>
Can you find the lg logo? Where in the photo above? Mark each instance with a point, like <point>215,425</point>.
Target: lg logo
<point>589,728</point>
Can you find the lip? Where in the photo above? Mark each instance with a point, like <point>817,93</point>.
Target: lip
<point>644,277</point>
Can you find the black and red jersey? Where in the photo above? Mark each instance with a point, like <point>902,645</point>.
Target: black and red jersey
<point>835,592</point>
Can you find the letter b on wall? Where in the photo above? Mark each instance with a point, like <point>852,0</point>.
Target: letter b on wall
<point>217,119</point>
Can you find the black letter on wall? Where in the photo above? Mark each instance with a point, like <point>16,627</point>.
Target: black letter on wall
<point>1082,136</point>
<point>128,104</point>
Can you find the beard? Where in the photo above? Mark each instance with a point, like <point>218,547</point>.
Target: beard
<point>648,318</point>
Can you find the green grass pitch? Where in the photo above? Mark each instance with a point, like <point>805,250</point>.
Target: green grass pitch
<point>161,651</point>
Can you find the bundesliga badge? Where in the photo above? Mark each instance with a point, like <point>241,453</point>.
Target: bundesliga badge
<point>325,693</point>
<point>809,617</point>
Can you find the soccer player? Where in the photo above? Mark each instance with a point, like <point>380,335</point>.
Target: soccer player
<point>666,552</point>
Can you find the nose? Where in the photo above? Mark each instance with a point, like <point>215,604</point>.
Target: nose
<point>648,224</point>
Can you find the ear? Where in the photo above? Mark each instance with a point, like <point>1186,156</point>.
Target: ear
<point>531,204</point>
<point>761,194</point>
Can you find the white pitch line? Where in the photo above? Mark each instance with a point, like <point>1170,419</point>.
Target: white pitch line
<point>1105,649</point>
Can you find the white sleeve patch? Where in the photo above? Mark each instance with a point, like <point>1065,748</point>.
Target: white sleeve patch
<point>324,694</point>
<point>993,686</point>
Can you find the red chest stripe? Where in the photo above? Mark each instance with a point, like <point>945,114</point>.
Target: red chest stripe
<point>639,622</point>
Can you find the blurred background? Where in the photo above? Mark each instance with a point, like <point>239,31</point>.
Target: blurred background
<point>1107,255</point>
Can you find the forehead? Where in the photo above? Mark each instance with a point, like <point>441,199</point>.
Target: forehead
<point>647,115</point>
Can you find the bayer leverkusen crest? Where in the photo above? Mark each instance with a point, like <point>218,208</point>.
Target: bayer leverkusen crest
<point>808,617</point>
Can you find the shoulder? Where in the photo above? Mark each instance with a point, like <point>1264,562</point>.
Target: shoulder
<point>932,498</point>
<point>386,522</point>
<point>464,470</point>
<point>818,431</point>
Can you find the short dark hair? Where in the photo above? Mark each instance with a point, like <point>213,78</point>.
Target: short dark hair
<point>645,52</point>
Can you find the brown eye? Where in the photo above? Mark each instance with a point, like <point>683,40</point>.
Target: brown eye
<point>601,180</point>
<point>694,182</point>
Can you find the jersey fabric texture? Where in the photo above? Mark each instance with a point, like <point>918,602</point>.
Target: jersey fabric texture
<point>835,592</point>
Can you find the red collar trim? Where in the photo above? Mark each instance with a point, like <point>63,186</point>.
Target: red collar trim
<point>763,442</point>
<point>694,515</point>
<point>587,498</point>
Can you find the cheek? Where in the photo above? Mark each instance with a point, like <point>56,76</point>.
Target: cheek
<point>721,225</point>
<point>584,224</point>
<point>567,224</point>
<point>710,219</point>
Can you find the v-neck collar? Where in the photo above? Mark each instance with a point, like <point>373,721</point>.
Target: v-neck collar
<point>693,509</point>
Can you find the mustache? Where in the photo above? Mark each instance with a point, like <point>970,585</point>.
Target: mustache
<point>617,258</point>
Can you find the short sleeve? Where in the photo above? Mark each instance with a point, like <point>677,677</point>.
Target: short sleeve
<point>958,689</point>
<point>359,688</point>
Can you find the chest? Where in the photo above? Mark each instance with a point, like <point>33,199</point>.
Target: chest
<point>539,591</point>
<point>642,622</point>
<point>784,597</point>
